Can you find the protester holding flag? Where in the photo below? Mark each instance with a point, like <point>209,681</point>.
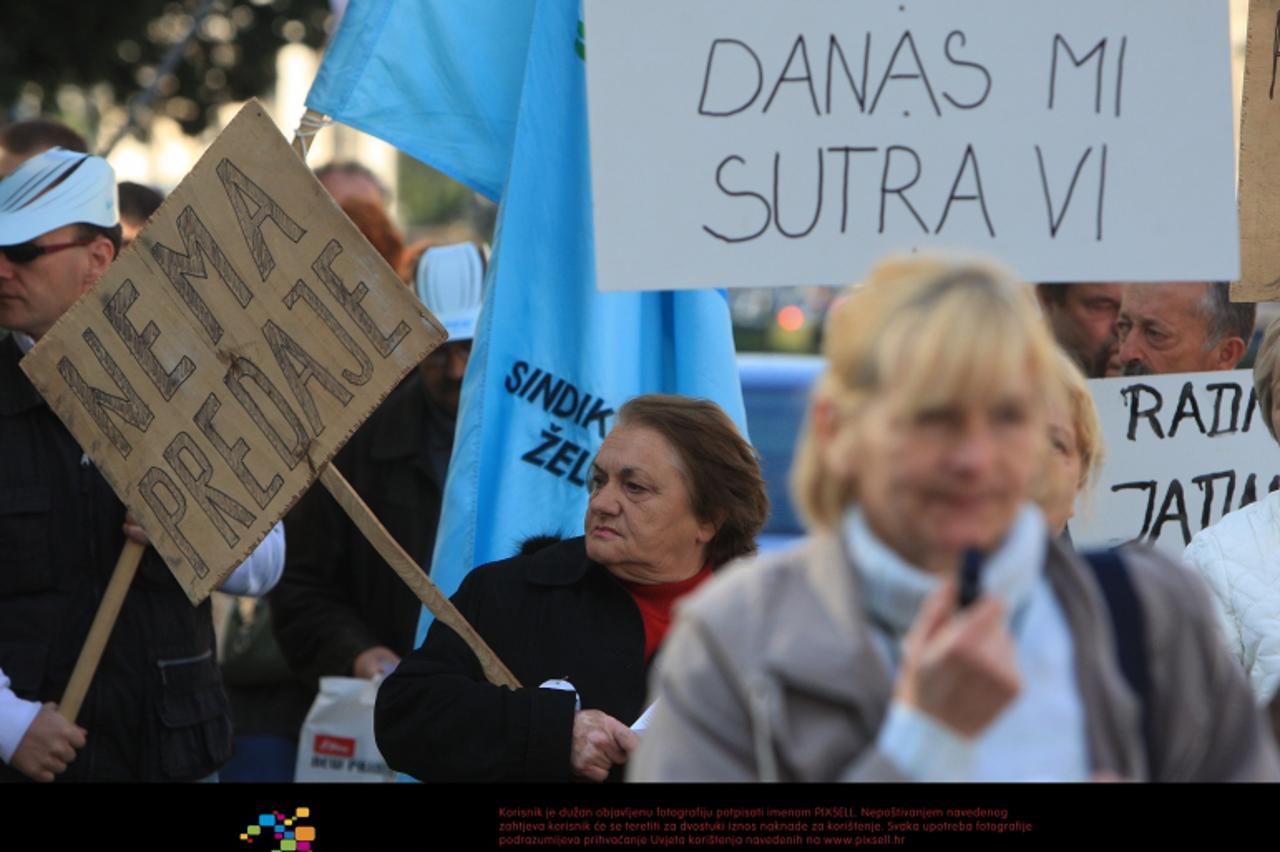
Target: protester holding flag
<point>931,629</point>
<point>340,609</point>
<point>676,492</point>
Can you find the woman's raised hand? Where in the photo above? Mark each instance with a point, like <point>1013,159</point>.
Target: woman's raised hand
<point>958,666</point>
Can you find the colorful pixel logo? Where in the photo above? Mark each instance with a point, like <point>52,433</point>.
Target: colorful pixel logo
<point>288,834</point>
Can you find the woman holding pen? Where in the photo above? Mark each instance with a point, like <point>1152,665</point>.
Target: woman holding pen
<point>930,628</point>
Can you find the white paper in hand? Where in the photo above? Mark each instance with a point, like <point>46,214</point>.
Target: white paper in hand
<point>643,722</point>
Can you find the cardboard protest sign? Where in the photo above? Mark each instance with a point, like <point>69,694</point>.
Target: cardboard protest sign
<point>230,351</point>
<point>766,143</point>
<point>1182,450</point>
<point>1259,153</point>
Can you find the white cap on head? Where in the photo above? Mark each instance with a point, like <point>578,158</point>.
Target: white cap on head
<point>450,281</point>
<point>55,188</point>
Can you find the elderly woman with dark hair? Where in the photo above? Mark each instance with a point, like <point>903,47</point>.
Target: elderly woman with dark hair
<point>931,628</point>
<point>676,492</point>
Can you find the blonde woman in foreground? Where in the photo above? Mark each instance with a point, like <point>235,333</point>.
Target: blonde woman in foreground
<point>930,628</point>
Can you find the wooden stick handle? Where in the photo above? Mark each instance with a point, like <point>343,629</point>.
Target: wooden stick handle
<point>414,577</point>
<point>100,631</point>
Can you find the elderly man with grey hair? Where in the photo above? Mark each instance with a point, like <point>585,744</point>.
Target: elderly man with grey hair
<point>1181,327</point>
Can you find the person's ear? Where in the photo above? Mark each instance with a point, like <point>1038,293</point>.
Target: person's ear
<point>101,254</point>
<point>1228,353</point>
<point>706,531</point>
<point>835,437</point>
<point>825,420</point>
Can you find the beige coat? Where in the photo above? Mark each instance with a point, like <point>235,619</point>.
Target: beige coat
<point>771,674</point>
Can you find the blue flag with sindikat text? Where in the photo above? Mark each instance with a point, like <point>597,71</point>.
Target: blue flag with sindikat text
<point>553,359</point>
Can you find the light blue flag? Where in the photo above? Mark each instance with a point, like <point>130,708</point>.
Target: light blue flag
<point>553,359</point>
<point>439,80</point>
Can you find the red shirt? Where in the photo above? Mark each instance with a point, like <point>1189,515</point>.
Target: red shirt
<point>656,601</point>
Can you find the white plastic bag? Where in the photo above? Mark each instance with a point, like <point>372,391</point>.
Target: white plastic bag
<point>337,739</point>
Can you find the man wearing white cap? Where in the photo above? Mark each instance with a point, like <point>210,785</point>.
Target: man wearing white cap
<point>156,710</point>
<point>448,281</point>
<point>59,230</point>
<point>339,610</point>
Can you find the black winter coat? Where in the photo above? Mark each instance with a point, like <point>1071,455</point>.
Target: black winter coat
<point>337,596</point>
<point>552,615</point>
<point>156,710</point>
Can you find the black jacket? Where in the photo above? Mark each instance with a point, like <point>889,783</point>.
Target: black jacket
<point>551,615</point>
<point>156,710</point>
<point>338,597</point>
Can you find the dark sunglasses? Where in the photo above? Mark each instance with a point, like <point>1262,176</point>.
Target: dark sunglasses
<point>29,251</point>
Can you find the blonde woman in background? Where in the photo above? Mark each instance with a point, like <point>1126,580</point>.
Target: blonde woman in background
<point>1075,451</point>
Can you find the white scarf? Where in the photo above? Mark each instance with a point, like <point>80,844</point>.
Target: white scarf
<point>1041,734</point>
<point>893,589</point>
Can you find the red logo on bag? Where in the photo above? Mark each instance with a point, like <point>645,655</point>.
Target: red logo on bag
<point>336,746</point>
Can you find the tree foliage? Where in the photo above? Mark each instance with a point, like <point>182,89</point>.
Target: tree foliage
<point>48,44</point>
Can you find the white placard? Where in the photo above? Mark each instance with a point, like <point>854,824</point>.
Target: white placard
<point>748,143</point>
<point>1182,451</point>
